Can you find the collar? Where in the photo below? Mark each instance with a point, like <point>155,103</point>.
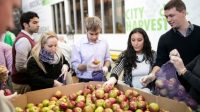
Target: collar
<point>25,32</point>
<point>189,29</point>
<point>85,41</point>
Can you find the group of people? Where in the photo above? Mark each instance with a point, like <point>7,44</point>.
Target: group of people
<point>40,65</point>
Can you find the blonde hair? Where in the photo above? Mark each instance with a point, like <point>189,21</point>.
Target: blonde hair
<point>35,52</point>
<point>93,23</point>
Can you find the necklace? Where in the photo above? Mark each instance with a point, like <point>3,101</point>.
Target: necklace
<point>140,61</point>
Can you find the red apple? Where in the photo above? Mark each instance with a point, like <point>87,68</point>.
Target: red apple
<point>99,93</point>
<point>108,110</point>
<point>77,109</point>
<point>121,98</point>
<point>69,110</point>
<point>63,105</point>
<point>71,104</point>
<point>141,98</point>
<point>115,106</point>
<point>86,92</point>
<point>141,105</point>
<point>80,104</point>
<point>108,103</point>
<point>112,100</point>
<point>107,88</point>
<point>124,105</point>
<point>129,93</point>
<point>73,96</point>
<point>133,105</point>
<point>53,98</point>
<point>135,93</point>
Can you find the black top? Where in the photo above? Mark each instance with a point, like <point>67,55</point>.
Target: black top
<point>37,79</point>
<point>193,77</point>
<point>188,47</point>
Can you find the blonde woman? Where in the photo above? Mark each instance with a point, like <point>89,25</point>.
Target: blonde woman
<point>46,63</point>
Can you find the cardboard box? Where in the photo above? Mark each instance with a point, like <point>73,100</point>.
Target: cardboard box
<point>37,96</point>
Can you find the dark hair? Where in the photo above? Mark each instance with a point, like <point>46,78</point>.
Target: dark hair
<point>130,53</point>
<point>26,17</point>
<point>178,4</point>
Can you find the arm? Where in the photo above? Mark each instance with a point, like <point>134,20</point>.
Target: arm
<point>36,76</point>
<point>8,57</point>
<point>76,60</point>
<point>116,71</point>
<point>23,47</point>
<point>192,73</point>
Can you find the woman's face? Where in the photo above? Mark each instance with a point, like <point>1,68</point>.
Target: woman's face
<point>137,41</point>
<point>51,45</point>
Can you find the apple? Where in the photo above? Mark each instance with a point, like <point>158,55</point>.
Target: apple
<point>86,92</point>
<point>139,110</point>
<point>121,98</point>
<point>63,105</point>
<point>98,86</point>
<point>30,105</point>
<point>113,94</point>
<point>53,98</point>
<point>141,105</point>
<point>88,108</point>
<point>124,105</point>
<point>119,110</point>
<point>99,109</point>
<point>100,102</point>
<point>18,109</point>
<point>58,94</point>
<point>107,88</point>
<point>45,102</point>
<point>154,107</point>
<point>129,93</point>
<point>80,98</point>
<point>163,92</point>
<point>133,105</point>
<point>115,106</point>
<point>71,104</point>
<point>7,92</point>
<point>135,93</point>
<point>96,62</point>
<point>99,93</point>
<point>56,108</point>
<point>159,83</point>
<point>112,100</point>
<point>77,109</point>
<point>108,110</point>
<point>91,87</point>
<point>80,92</point>
<point>80,104</point>
<point>32,109</point>
<point>141,98</point>
<point>106,96</point>
<point>133,99</point>
<point>73,96</point>
<point>108,103</point>
<point>69,110</point>
<point>45,109</point>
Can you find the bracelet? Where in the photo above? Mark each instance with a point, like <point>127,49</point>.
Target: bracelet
<point>182,72</point>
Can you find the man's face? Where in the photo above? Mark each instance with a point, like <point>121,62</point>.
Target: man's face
<point>93,35</point>
<point>175,18</point>
<point>33,25</point>
<point>6,13</point>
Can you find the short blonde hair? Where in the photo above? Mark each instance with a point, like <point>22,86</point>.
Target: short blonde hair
<point>93,23</point>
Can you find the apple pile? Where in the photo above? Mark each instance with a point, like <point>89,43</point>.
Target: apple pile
<point>95,98</point>
<point>174,90</point>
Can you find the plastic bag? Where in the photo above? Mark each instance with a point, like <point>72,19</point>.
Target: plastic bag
<point>168,85</point>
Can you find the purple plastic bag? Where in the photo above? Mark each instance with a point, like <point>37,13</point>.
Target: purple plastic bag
<point>168,85</point>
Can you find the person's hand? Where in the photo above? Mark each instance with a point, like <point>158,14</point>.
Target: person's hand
<point>57,83</point>
<point>93,67</point>
<point>111,81</point>
<point>174,52</point>
<point>145,80</point>
<point>9,97</point>
<point>105,69</point>
<point>64,69</point>
<point>178,64</point>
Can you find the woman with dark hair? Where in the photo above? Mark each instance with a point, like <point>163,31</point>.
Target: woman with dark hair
<point>136,60</point>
